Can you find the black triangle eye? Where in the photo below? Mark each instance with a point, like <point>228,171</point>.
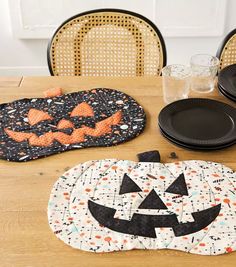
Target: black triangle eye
<point>128,186</point>
<point>178,187</point>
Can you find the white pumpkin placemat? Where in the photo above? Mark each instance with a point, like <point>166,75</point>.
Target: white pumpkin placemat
<point>109,205</point>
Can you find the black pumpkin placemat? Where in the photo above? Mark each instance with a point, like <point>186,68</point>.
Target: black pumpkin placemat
<point>39,127</point>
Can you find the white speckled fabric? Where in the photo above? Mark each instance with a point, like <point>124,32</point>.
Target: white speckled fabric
<point>188,206</point>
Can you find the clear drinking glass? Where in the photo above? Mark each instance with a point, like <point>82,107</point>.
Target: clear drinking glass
<point>175,82</point>
<point>204,69</point>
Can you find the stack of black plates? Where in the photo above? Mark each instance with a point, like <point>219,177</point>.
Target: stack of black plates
<point>227,82</point>
<point>199,124</point>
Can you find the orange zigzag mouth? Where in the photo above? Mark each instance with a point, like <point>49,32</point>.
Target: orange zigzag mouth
<point>77,136</point>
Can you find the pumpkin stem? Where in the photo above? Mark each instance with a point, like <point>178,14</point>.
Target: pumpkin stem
<point>149,156</point>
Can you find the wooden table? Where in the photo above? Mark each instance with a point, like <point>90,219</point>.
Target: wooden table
<point>26,239</point>
<point>10,81</point>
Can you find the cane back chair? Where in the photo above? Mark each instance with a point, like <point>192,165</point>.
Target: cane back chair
<point>107,42</point>
<point>227,50</point>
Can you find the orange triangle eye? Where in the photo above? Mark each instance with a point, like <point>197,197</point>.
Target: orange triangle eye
<point>83,110</point>
<point>35,116</point>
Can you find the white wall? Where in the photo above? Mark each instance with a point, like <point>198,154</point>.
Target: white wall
<point>28,56</point>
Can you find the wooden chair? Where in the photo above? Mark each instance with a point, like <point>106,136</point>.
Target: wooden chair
<point>227,50</point>
<point>107,42</point>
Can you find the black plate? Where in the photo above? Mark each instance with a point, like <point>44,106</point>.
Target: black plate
<point>192,147</point>
<point>227,79</point>
<point>199,122</point>
<point>226,94</point>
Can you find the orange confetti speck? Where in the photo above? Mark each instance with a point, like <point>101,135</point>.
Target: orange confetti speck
<point>114,167</point>
<point>108,239</point>
<point>193,171</point>
<point>70,219</point>
<point>97,236</point>
<point>229,249</point>
<point>226,200</point>
<point>202,244</point>
<point>81,203</point>
<point>168,204</point>
<point>217,199</point>
<point>65,194</point>
<point>87,189</point>
<point>125,241</point>
<point>88,221</point>
<point>185,237</point>
<point>92,243</point>
<point>215,175</point>
<point>162,177</point>
<point>104,178</point>
<point>74,207</point>
<point>82,234</point>
<point>146,190</point>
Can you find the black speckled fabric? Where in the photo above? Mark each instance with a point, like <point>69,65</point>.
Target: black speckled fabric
<point>104,103</point>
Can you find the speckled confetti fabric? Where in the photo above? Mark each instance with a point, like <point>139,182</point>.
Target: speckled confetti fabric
<point>33,128</point>
<point>111,205</point>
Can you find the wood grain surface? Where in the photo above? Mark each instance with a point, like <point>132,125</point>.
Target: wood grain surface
<point>25,237</point>
<point>8,81</point>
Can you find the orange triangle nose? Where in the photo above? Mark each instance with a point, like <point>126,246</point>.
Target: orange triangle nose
<point>63,124</point>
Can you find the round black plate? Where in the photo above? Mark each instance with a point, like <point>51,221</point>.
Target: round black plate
<point>224,93</point>
<point>192,147</point>
<point>227,79</point>
<point>199,122</point>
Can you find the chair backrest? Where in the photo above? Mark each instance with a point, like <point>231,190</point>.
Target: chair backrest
<point>227,50</point>
<point>107,42</point>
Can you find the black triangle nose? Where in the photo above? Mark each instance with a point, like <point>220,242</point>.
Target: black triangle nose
<point>153,201</point>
